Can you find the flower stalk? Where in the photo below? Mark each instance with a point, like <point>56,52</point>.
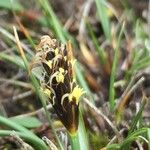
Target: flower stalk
<point>74,141</point>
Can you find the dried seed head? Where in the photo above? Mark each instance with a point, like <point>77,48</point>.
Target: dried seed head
<point>58,82</point>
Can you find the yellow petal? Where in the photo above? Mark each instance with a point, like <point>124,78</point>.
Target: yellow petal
<point>76,93</point>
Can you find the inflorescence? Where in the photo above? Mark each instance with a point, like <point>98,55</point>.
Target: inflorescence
<point>58,82</point>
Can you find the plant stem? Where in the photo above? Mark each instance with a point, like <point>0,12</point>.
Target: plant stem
<point>74,141</point>
<point>82,133</point>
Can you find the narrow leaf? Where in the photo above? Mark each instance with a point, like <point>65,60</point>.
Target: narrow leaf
<point>28,122</point>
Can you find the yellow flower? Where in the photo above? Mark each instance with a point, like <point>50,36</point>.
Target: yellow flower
<point>60,75</point>
<point>76,93</point>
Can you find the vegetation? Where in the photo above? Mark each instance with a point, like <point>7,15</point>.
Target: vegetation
<point>74,75</point>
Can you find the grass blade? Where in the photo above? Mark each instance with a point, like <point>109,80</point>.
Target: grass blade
<point>135,135</point>
<point>15,126</point>
<point>134,123</point>
<point>113,72</point>
<point>52,19</point>
<point>137,117</point>
<point>9,4</point>
<point>12,59</point>
<point>148,135</point>
<point>102,12</point>
<point>100,51</point>
<point>36,142</point>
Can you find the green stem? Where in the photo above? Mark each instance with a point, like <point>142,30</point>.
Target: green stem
<point>82,133</point>
<point>74,141</point>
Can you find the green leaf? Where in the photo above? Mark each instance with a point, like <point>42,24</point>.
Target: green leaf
<point>125,145</point>
<point>28,122</point>
<point>12,59</point>
<point>113,71</point>
<point>148,137</point>
<point>52,19</point>
<point>36,142</point>
<point>17,127</point>
<point>11,5</point>
<point>135,122</point>
<point>100,51</point>
<point>137,117</point>
<point>102,12</point>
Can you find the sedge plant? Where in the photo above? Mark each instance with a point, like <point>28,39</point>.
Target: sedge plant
<point>58,83</point>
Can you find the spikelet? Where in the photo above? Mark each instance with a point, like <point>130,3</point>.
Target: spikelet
<point>58,82</point>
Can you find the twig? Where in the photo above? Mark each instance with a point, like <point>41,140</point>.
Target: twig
<point>51,145</point>
<point>20,143</point>
<point>15,82</point>
<point>127,89</point>
<point>41,110</point>
<point>115,137</point>
<point>19,96</point>
<point>139,145</point>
